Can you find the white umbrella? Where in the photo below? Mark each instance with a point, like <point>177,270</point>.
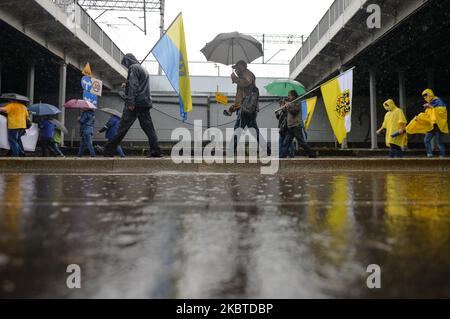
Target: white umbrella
<point>15,97</point>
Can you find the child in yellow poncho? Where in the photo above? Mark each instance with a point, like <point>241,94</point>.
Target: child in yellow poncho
<point>394,124</point>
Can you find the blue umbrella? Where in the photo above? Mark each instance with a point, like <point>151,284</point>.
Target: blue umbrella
<point>42,109</point>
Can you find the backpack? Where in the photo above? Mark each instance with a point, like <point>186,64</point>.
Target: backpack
<point>250,104</point>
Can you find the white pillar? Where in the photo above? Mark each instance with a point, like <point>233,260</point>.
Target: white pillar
<point>402,90</point>
<point>344,145</point>
<point>30,82</point>
<point>373,108</point>
<point>62,94</point>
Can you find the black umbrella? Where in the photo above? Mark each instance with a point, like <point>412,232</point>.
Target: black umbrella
<point>229,48</point>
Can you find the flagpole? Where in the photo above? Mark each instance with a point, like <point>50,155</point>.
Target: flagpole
<point>312,90</point>
<point>161,37</point>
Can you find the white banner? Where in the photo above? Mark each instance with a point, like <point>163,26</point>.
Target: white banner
<point>29,140</point>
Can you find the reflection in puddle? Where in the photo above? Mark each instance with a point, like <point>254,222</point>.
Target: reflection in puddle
<point>174,235</point>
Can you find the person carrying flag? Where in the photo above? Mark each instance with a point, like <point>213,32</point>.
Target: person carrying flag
<point>138,103</point>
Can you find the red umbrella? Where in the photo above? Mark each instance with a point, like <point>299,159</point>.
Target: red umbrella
<point>80,104</point>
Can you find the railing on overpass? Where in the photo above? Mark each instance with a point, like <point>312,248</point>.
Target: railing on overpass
<point>329,19</point>
<point>82,18</point>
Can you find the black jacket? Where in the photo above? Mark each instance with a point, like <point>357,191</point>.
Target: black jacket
<point>137,90</point>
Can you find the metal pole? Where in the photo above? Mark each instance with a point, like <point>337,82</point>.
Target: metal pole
<point>208,115</point>
<point>402,90</point>
<point>373,108</point>
<point>145,18</point>
<point>30,82</point>
<point>0,77</point>
<point>161,28</point>
<point>62,94</point>
<point>264,47</point>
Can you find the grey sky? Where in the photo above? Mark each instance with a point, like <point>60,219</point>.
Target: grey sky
<point>204,19</point>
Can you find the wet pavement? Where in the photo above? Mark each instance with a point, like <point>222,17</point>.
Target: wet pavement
<point>175,235</point>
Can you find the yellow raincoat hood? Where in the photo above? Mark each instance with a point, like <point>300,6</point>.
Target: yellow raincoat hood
<point>428,95</point>
<point>389,105</point>
<point>394,121</point>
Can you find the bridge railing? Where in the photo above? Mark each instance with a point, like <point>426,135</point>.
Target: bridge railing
<point>82,18</point>
<point>328,20</point>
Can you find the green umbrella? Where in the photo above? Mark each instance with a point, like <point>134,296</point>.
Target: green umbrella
<point>283,87</point>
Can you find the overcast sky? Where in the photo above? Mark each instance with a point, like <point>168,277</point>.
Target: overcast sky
<point>204,19</point>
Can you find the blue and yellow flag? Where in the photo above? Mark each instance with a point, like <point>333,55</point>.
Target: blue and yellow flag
<point>308,108</point>
<point>170,52</point>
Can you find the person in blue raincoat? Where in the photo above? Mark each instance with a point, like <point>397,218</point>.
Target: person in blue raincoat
<point>87,122</point>
<point>46,131</point>
<point>111,129</point>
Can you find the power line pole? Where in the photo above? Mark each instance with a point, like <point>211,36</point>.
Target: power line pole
<point>161,27</point>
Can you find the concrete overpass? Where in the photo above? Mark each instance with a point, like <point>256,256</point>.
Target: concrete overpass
<point>408,53</point>
<point>46,43</point>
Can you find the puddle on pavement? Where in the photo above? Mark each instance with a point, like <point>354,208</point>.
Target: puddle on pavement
<point>172,235</point>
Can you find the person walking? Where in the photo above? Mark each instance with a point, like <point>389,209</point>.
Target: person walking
<point>395,126</point>
<point>437,110</point>
<point>17,122</point>
<point>138,103</point>
<point>247,94</point>
<point>111,128</point>
<point>295,126</point>
<point>87,122</point>
<point>46,131</point>
<point>283,127</point>
<point>56,142</point>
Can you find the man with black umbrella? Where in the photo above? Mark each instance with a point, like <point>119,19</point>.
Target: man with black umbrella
<point>246,89</point>
<point>137,106</point>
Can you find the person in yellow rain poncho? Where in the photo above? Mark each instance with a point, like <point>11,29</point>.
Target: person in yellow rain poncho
<point>432,122</point>
<point>438,112</point>
<point>395,126</point>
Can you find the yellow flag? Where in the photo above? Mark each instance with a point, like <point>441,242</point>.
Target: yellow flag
<point>221,98</point>
<point>87,70</point>
<point>338,99</point>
